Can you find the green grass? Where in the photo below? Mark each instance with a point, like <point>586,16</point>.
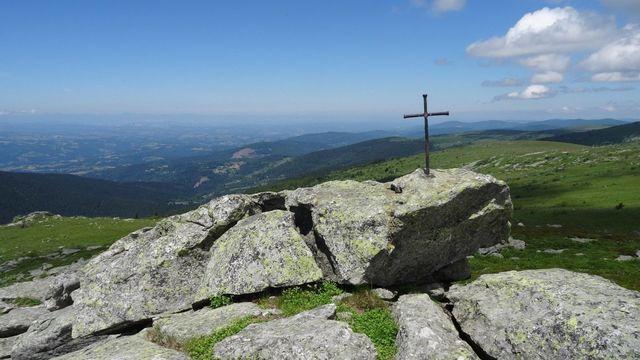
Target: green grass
<point>575,186</point>
<point>379,325</point>
<point>25,302</point>
<point>201,348</point>
<point>47,236</point>
<point>298,299</point>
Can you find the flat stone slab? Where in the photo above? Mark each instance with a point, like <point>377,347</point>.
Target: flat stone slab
<point>134,347</point>
<point>425,331</point>
<point>184,326</point>
<point>308,335</point>
<point>549,314</point>
<point>19,320</point>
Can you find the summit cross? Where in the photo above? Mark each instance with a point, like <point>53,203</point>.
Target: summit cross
<point>426,115</point>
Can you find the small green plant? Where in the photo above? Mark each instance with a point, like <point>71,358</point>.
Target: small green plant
<point>379,326</point>
<point>220,301</point>
<point>299,299</point>
<point>201,348</point>
<point>25,302</point>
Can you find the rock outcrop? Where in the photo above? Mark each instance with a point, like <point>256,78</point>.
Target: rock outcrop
<point>549,314</point>
<point>350,232</point>
<point>405,230</point>
<point>155,270</point>
<point>425,331</point>
<point>308,335</point>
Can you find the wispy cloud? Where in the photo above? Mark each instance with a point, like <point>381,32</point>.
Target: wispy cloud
<point>505,82</point>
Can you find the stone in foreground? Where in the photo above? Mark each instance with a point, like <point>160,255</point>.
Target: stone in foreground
<point>184,326</point>
<point>549,314</point>
<point>425,331</point>
<point>308,335</point>
<point>156,270</point>
<point>134,347</point>
<point>18,320</point>
<point>262,251</point>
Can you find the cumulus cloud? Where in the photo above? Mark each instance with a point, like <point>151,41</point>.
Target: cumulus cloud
<point>506,82</point>
<point>548,31</point>
<point>440,5</point>
<point>547,77</point>
<point>618,60</point>
<point>547,62</point>
<point>531,92</point>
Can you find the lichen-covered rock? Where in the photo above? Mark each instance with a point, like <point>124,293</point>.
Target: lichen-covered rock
<point>308,335</point>
<point>53,291</point>
<point>18,320</point>
<point>181,327</point>
<point>262,251</point>
<point>405,230</point>
<point>549,314</point>
<point>6,344</point>
<point>134,347</point>
<point>48,336</point>
<point>156,270</point>
<point>426,332</point>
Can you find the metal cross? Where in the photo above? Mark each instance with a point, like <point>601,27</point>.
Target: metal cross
<point>426,115</point>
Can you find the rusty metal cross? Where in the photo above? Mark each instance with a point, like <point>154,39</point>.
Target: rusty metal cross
<point>426,115</point>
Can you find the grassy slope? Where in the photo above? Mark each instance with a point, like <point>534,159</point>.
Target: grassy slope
<point>46,237</point>
<point>551,183</point>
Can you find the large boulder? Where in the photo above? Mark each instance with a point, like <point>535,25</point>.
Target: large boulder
<point>262,251</point>
<point>549,314</point>
<point>179,328</point>
<point>134,347</point>
<point>308,335</point>
<point>425,331</point>
<point>402,231</point>
<point>156,270</point>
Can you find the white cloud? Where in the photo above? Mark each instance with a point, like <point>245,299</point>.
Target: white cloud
<point>545,31</point>
<point>448,5</point>
<point>615,76</point>
<point>547,77</point>
<point>532,92</point>
<point>547,62</point>
<point>440,5</point>
<point>506,82</point>
<point>618,60</point>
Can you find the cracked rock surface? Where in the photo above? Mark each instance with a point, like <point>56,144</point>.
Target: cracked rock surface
<point>549,314</point>
<point>308,335</point>
<point>425,331</point>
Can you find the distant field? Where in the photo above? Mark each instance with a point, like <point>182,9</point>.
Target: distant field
<point>591,192</point>
<point>46,238</point>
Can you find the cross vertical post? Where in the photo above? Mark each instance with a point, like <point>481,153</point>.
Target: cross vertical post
<point>426,115</point>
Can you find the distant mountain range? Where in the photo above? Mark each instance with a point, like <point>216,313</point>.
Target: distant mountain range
<point>453,127</point>
<point>610,135</point>
<point>22,193</point>
<point>169,185</point>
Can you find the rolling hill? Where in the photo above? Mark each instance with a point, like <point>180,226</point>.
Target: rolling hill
<point>22,193</point>
<point>611,135</point>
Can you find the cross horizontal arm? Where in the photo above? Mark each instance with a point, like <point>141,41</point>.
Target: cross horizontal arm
<point>413,115</point>
<point>443,113</point>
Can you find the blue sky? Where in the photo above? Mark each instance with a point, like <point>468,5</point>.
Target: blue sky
<point>349,58</point>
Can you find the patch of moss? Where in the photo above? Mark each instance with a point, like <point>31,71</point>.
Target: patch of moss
<point>303,298</point>
<point>25,302</point>
<point>220,301</point>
